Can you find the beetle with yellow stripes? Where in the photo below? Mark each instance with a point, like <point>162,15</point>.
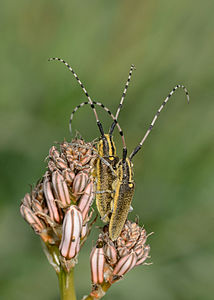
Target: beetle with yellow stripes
<point>115,189</point>
<point>107,159</point>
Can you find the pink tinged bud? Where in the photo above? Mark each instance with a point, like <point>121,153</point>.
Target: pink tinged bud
<point>40,194</point>
<point>52,207</point>
<point>71,231</point>
<point>56,157</point>
<point>61,189</point>
<point>27,200</point>
<point>61,164</point>
<point>86,200</point>
<point>111,253</point>
<point>53,153</point>
<point>138,250</point>
<point>130,243</point>
<point>120,242</point>
<point>51,166</point>
<point>125,264</point>
<point>69,176</point>
<point>36,206</point>
<point>143,237</point>
<point>122,251</point>
<point>135,229</point>
<point>97,262</point>
<point>87,158</point>
<point>84,231</point>
<point>31,218</point>
<point>80,183</point>
<point>143,256</point>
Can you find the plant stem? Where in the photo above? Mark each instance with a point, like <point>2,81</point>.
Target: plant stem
<point>66,285</point>
<point>99,292</point>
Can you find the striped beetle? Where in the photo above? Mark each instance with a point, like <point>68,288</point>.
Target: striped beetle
<point>105,164</point>
<point>123,185</point>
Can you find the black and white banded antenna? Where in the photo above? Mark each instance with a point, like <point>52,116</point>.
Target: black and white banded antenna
<point>111,115</point>
<point>122,99</point>
<point>135,151</point>
<point>84,90</point>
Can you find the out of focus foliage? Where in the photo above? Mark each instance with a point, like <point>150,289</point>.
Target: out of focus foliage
<point>170,42</point>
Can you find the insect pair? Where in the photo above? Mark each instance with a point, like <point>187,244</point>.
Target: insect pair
<point>115,185</point>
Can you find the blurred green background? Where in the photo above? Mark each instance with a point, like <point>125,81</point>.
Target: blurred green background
<point>170,42</point>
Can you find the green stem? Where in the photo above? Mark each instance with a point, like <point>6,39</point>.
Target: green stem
<point>66,285</point>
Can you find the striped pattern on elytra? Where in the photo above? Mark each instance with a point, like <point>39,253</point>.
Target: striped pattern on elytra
<point>107,159</point>
<point>123,185</point>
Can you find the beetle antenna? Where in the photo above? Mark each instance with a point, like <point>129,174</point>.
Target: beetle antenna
<point>111,115</point>
<point>135,151</point>
<point>122,99</point>
<point>84,90</point>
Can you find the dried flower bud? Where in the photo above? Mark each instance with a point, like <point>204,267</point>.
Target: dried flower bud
<point>71,231</point>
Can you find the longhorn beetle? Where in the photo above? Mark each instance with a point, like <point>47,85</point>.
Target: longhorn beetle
<point>107,159</point>
<point>123,185</point>
<point>106,150</point>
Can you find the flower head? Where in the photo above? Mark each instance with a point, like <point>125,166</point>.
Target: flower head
<point>111,260</point>
<point>58,208</point>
